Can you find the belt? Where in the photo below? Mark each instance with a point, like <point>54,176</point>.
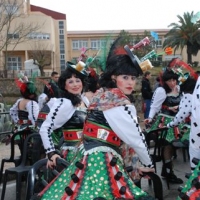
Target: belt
<point>42,115</point>
<point>101,133</point>
<point>24,121</point>
<point>70,135</point>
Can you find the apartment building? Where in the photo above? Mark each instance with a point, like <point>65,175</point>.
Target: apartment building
<point>93,41</point>
<point>49,35</point>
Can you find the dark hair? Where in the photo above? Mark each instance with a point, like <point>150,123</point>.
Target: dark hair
<point>188,86</point>
<point>146,73</point>
<point>92,83</point>
<point>29,92</point>
<point>168,75</point>
<point>117,65</point>
<point>54,73</point>
<point>68,73</point>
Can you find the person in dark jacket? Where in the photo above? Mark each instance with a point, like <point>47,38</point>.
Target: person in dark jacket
<point>146,93</point>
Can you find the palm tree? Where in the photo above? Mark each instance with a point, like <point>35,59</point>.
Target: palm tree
<point>184,34</point>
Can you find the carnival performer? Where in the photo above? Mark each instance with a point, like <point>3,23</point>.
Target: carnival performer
<point>165,102</point>
<point>67,112</point>
<point>97,172</point>
<point>185,109</point>
<point>25,111</point>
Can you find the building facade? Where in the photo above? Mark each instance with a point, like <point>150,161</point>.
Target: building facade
<point>45,32</point>
<point>93,41</point>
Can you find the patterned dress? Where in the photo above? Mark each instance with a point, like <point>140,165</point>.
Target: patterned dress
<point>56,134</point>
<point>97,171</point>
<point>64,115</point>
<point>25,120</point>
<point>160,107</point>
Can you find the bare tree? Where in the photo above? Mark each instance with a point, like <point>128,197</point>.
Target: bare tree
<point>14,27</point>
<point>41,55</point>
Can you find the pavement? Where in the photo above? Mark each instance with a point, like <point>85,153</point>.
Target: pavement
<point>180,168</point>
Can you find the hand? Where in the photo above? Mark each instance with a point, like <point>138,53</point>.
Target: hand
<point>52,163</point>
<point>174,109</point>
<point>148,121</point>
<point>145,169</point>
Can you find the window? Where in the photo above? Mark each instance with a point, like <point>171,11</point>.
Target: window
<point>61,37</point>
<point>61,31</point>
<point>61,25</point>
<point>41,36</point>
<point>159,43</point>
<point>13,36</point>
<point>9,9</point>
<point>14,63</point>
<point>77,44</point>
<point>95,44</point>
<point>62,56</point>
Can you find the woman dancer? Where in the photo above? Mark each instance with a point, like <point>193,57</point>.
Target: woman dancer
<point>97,172</point>
<point>25,111</point>
<point>67,112</point>
<point>165,103</point>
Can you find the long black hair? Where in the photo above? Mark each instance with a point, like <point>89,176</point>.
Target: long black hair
<point>117,65</point>
<point>168,75</point>
<point>68,73</point>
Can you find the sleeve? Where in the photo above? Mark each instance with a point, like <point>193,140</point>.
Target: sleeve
<point>59,114</point>
<point>185,109</point>
<point>42,99</point>
<point>14,111</point>
<point>158,98</point>
<point>123,121</point>
<point>33,110</point>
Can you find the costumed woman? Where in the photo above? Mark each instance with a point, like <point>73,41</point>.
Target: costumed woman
<point>164,107</point>
<point>25,111</point>
<point>67,112</point>
<point>185,110</point>
<point>97,172</point>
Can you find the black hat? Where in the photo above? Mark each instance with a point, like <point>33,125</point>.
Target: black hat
<point>78,68</point>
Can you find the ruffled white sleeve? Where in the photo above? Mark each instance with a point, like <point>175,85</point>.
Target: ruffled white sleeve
<point>185,109</point>
<point>14,111</point>
<point>61,111</point>
<point>33,110</point>
<point>123,121</point>
<point>158,98</point>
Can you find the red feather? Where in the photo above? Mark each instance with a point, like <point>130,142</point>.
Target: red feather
<point>22,86</point>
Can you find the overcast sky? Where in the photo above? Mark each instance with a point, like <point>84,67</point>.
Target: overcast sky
<point>119,14</point>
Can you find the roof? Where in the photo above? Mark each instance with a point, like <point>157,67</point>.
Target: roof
<point>53,14</point>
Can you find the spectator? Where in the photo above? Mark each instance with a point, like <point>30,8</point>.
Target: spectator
<point>146,93</point>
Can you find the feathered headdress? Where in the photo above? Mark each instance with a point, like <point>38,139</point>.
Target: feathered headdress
<point>24,84</point>
<point>178,65</point>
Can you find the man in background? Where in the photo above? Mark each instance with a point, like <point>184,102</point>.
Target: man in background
<point>146,93</point>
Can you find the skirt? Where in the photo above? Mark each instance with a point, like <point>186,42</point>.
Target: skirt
<point>96,174</point>
<point>173,133</point>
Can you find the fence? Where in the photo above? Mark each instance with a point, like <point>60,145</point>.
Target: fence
<point>14,73</point>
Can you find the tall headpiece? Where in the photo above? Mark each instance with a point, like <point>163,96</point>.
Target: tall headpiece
<point>178,66</point>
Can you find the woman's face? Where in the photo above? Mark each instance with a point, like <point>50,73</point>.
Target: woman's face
<point>171,83</point>
<point>74,85</point>
<point>126,83</point>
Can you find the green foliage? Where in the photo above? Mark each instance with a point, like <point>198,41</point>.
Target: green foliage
<point>184,33</point>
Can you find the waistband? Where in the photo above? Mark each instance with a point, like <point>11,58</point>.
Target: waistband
<point>42,115</point>
<point>24,121</point>
<point>73,135</point>
<point>102,133</point>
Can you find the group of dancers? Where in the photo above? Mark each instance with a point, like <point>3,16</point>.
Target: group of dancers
<point>95,116</point>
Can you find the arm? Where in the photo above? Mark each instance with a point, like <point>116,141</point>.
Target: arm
<point>33,110</point>
<point>185,109</point>
<point>59,114</point>
<point>123,121</point>
<point>158,98</point>
<point>14,111</point>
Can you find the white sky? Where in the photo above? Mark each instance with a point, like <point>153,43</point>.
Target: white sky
<point>119,14</point>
